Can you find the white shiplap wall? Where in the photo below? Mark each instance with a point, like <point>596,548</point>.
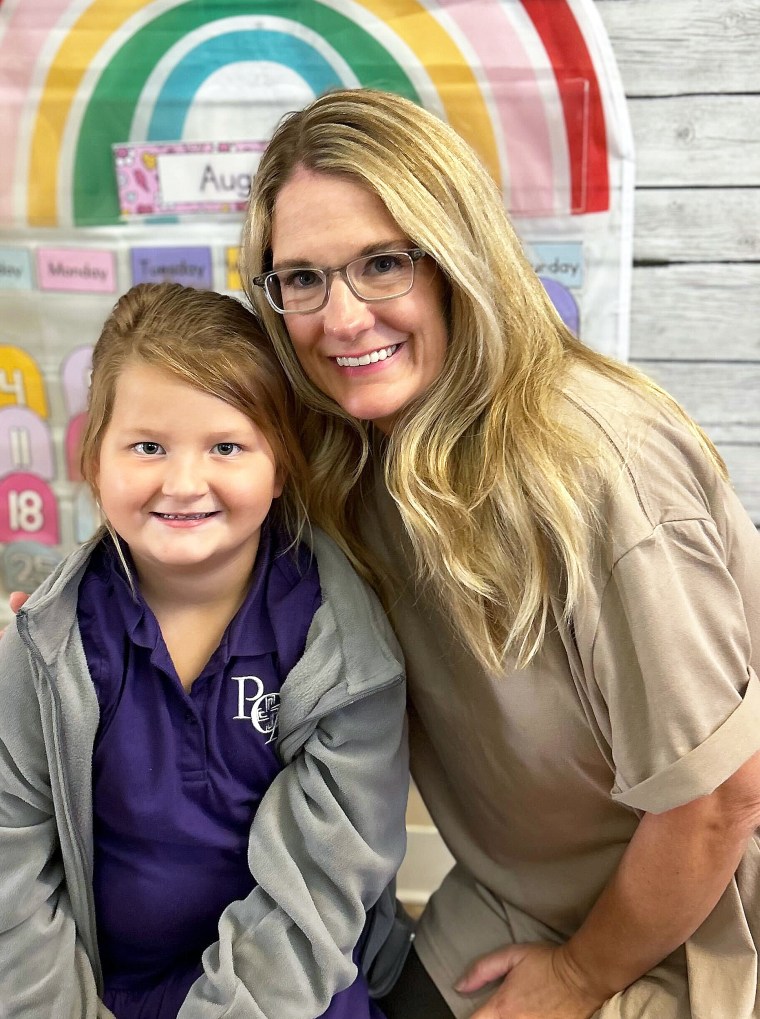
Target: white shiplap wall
<point>691,71</point>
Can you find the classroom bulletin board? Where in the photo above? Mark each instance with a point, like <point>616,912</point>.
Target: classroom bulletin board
<point>129,132</point>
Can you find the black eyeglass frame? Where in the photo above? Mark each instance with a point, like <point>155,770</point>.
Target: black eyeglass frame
<point>415,254</point>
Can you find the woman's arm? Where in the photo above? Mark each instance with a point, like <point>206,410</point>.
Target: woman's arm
<point>674,871</point>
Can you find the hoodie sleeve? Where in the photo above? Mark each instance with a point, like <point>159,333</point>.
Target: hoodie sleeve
<point>44,968</point>
<point>329,834</point>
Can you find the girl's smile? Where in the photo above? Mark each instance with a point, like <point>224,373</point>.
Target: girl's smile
<point>184,519</point>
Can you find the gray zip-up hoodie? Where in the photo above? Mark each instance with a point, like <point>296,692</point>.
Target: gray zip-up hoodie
<point>324,846</point>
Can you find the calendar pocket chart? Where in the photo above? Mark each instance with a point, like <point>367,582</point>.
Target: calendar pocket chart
<point>131,130</point>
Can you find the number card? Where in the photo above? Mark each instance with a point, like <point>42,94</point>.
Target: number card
<point>28,509</point>
<point>25,564</point>
<point>75,374</point>
<point>564,302</point>
<point>74,435</point>
<point>21,381</point>
<point>25,443</point>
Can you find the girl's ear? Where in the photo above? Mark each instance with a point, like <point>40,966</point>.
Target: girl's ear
<point>280,477</point>
<point>93,480</point>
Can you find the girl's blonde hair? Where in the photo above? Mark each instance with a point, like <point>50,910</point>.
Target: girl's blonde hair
<point>490,484</point>
<point>212,343</point>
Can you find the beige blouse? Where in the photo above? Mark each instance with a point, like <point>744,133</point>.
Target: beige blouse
<point>537,778</point>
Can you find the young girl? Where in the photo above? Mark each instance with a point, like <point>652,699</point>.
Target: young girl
<point>202,745</point>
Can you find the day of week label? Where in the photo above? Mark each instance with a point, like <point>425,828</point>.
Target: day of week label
<point>191,266</point>
<point>15,269</point>
<point>76,269</point>
<point>233,270</point>
<point>560,262</point>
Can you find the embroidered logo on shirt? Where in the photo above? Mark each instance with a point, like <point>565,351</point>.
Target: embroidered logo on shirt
<point>260,708</point>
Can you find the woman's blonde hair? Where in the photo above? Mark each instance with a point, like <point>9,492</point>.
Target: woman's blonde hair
<point>212,343</point>
<point>490,484</point>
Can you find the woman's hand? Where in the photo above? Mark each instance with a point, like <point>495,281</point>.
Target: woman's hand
<point>540,983</point>
<point>15,599</point>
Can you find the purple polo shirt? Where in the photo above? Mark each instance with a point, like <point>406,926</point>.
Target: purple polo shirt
<point>178,776</point>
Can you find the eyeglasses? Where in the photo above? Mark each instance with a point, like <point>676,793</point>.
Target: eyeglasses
<point>378,277</point>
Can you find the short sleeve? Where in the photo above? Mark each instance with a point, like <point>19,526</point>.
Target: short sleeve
<point>672,662</point>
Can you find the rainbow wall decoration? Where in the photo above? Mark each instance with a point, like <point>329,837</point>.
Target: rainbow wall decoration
<point>526,81</point>
<point>532,84</point>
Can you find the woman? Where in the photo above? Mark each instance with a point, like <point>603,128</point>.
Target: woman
<point>574,583</point>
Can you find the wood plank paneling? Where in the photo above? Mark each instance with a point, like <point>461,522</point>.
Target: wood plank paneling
<point>697,141</point>
<point>697,224</point>
<point>671,47</point>
<point>697,312</point>
<point>691,72</point>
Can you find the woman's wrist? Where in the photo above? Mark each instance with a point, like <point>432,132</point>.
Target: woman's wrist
<point>585,983</point>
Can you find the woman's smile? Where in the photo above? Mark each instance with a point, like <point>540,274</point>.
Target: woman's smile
<point>363,360</point>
